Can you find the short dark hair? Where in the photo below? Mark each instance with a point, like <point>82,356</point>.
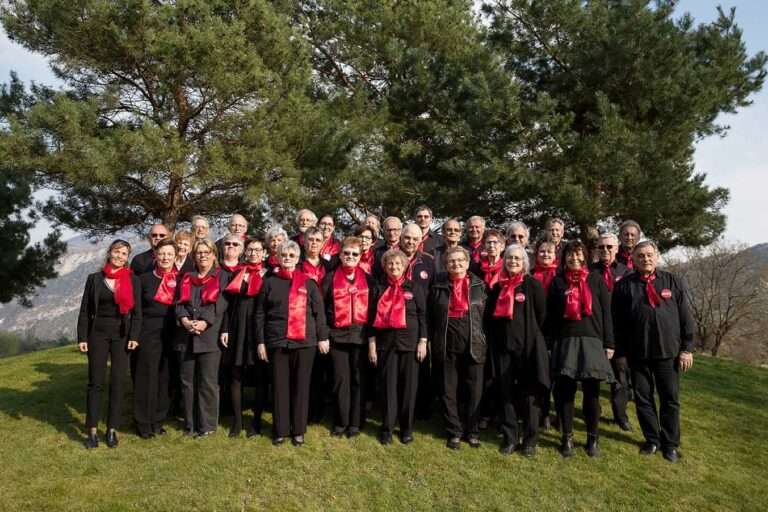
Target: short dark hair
<point>166,242</point>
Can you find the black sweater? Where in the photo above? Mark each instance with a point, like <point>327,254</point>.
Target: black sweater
<point>598,325</point>
<point>355,333</point>
<point>130,326</point>
<point>415,320</point>
<point>157,319</point>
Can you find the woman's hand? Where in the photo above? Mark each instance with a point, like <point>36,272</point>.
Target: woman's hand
<point>372,355</point>
<point>186,323</point>
<point>685,361</point>
<point>224,338</point>
<point>132,344</point>
<point>609,353</point>
<point>200,325</point>
<point>83,346</point>
<point>261,351</point>
<point>421,350</point>
<point>324,346</point>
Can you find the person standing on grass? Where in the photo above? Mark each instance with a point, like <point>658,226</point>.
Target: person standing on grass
<point>654,331</point>
<point>629,235</point>
<point>145,261</point>
<point>108,327</point>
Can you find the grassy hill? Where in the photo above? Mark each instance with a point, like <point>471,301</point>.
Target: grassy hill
<point>43,465</point>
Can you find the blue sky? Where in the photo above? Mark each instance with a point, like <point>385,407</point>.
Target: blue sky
<point>737,161</point>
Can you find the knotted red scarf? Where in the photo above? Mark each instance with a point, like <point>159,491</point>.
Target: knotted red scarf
<point>424,238</point>
<point>650,291</point>
<point>578,296</point>
<point>491,273</point>
<point>331,247</point>
<point>411,264</point>
<point>237,267</point>
<point>273,261</point>
<point>254,280</point>
<point>314,272</point>
<point>545,274</point>
<point>297,303</point>
<point>390,313</point>
<point>210,283</point>
<point>166,290</point>
<point>350,298</point>
<point>458,304</point>
<point>505,304</point>
<point>123,286</point>
<point>626,254</point>
<point>475,250</point>
<point>608,277</point>
<point>366,261</point>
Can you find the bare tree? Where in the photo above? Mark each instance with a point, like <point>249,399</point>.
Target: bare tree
<point>727,290</point>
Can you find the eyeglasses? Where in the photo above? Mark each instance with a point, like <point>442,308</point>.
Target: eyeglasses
<point>252,250</point>
<point>325,225</point>
<point>231,244</point>
<point>365,237</point>
<point>157,235</point>
<point>203,253</point>
<point>350,253</point>
<point>605,247</point>
<point>452,230</point>
<point>517,237</point>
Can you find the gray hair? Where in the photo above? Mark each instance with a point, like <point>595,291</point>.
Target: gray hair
<point>520,249</point>
<point>630,224</point>
<point>645,243</point>
<point>287,245</point>
<point>391,219</point>
<point>305,210</point>
<point>609,235</point>
<point>200,217</point>
<point>411,225</point>
<point>517,224</point>
<point>232,236</point>
<point>394,253</point>
<point>273,232</point>
<point>476,217</point>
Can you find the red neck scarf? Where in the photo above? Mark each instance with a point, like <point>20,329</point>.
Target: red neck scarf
<point>578,296</point>
<point>366,261</point>
<point>210,283</point>
<point>273,261</point>
<point>475,250</point>
<point>424,238</point>
<point>330,248</point>
<point>254,279</point>
<point>123,286</point>
<point>166,291</point>
<point>350,298</point>
<point>297,304</point>
<point>390,313</point>
<point>458,304</point>
<point>314,272</point>
<point>650,291</point>
<point>411,264</point>
<point>545,274</point>
<point>608,277</point>
<point>232,268</point>
<point>626,255</point>
<point>490,272</point>
<point>505,304</point>
<point>300,239</point>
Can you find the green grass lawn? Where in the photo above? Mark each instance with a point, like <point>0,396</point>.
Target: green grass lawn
<point>44,466</point>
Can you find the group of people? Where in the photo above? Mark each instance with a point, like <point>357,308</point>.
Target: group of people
<point>487,323</point>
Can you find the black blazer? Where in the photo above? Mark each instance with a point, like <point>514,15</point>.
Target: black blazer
<point>415,320</point>
<point>213,314</point>
<point>356,334</point>
<point>89,307</point>
<point>143,262</point>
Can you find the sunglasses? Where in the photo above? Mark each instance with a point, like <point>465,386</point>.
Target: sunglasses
<point>605,247</point>
<point>231,244</point>
<point>350,253</point>
<point>158,235</point>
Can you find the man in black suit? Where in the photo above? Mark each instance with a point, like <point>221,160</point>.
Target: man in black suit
<point>145,261</point>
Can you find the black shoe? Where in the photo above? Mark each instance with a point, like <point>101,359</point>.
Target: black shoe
<point>338,432</point>
<point>146,435</point>
<point>406,438</point>
<point>353,432</point>
<point>528,450</point>
<point>92,441</point>
<point>454,443</point>
<point>253,430</point>
<point>507,448</point>
<point>566,445</point>
<point>189,432</point>
<point>160,431</point>
<point>204,433</point>
<point>235,432</point>
<point>297,440</point>
<point>277,441</point>
<point>483,424</point>
<point>112,438</point>
<point>592,448</point>
<point>385,438</point>
<point>648,448</point>
<point>625,425</point>
<point>473,442</point>
<point>671,454</point>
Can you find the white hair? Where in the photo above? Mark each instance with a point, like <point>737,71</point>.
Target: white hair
<point>523,253</point>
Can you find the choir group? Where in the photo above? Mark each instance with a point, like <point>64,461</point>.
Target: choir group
<point>488,325</point>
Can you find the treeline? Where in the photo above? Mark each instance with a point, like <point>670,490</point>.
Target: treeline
<point>13,343</point>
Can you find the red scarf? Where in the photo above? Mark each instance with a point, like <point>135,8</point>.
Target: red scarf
<point>458,304</point>
<point>254,280</point>
<point>166,291</point>
<point>578,296</point>
<point>411,264</point>
<point>505,304</point>
<point>626,254</point>
<point>315,273</point>
<point>273,261</point>
<point>210,283</point>
<point>491,273</point>
<point>653,298</point>
<point>330,248</point>
<point>545,274</point>
<point>232,268</point>
<point>421,244</point>
<point>366,261</point>
<point>390,313</point>
<point>608,277</point>
<point>475,250</point>
<point>350,299</point>
<point>123,286</point>
<point>297,304</point>
<point>300,239</point>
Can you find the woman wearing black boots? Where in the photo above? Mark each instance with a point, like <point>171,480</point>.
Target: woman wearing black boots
<point>108,327</point>
<point>579,322</point>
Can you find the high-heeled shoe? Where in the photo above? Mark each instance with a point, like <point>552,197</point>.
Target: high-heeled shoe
<point>92,441</point>
<point>112,438</point>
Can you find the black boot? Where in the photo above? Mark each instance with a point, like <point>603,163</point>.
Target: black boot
<point>566,445</point>
<point>593,450</point>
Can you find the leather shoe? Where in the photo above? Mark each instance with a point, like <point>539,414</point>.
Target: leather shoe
<point>624,425</point>
<point>385,438</point>
<point>648,448</point>
<point>253,430</point>
<point>297,440</point>
<point>406,438</point>
<point>566,445</point>
<point>112,438</point>
<point>454,443</point>
<point>473,442</point>
<point>92,441</point>
<point>592,448</point>
<point>204,433</point>
<point>353,432</point>
<point>146,435</point>
<point>235,432</point>
<point>160,431</point>
<point>528,450</point>
<point>338,432</point>
<point>189,432</point>
<point>672,455</point>
<point>277,441</point>
<point>507,448</point>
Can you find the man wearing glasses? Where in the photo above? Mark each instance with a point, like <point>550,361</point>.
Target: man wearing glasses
<point>145,261</point>
<point>612,271</point>
<point>423,219</point>
<point>451,238</point>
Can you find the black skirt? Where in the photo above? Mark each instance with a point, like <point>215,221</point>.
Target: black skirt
<point>580,358</point>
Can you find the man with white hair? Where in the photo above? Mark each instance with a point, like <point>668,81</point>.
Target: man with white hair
<point>304,219</point>
<point>612,271</point>
<point>421,266</point>
<point>392,228</point>
<point>145,261</point>
<point>629,235</point>
<point>475,228</point>
<point>237,226</point>
<point>200,227</point>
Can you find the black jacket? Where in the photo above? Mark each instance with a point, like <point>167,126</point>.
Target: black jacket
<point>437,308</point>
<point>415,319</point>
<point>213,314</point>
<point>143,262</point>
<point>618,271</point>
<point>356,334</point>
<point>89,307</point>
<point>271,315</point>
<point>522,335</point>
<point>158,321</point>
<point>643,332</point>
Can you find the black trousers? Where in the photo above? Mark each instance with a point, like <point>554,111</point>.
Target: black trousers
<point>663,427</point>
<point>291,375</point>
<point>429,386</point>
<point>565,397</point>
<point>200,389</point>
<point>150,385</point>
<point>321,388</point>
<point>399,383</point>
<point>462,391</point>
<point>516,396</point>
<point>349,363</point>
<point>619,391</point>
<point>258,375</point>
<point>101,348</point>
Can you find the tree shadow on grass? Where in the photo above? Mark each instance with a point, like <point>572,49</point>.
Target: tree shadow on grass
<point>56,398</point>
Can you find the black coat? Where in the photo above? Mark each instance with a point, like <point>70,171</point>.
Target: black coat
<point>643,332</point>
<point>158,321</point>
<point>240,325</point>
<point>355,334</point>
<point>143,262</point>
<point>522,335</point>
<point>437,307</point>
<point>415,319</point>
<point>130,327</point>
<point>213,314</point>
<point>618,270</point>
